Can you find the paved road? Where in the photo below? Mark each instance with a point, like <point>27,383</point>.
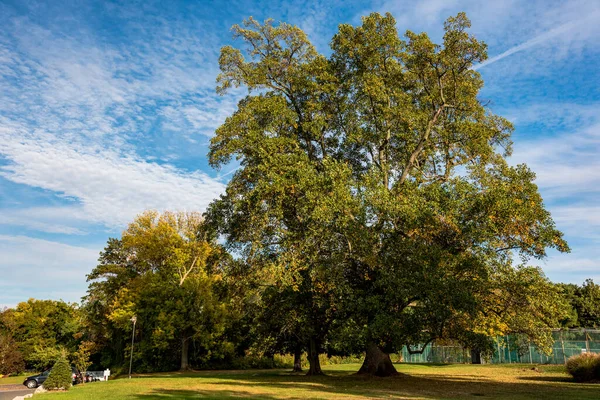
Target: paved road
<point>8,392</point>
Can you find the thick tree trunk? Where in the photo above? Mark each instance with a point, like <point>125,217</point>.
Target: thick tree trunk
<point>185,350</point>
<point>298,359</point>
<point>377,362</point>
<point>313,359</point>
<point>475,356</point>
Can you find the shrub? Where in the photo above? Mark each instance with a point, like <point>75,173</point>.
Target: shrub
<point>584,367</point>
<point>60,377</point>
<point>252,362</point>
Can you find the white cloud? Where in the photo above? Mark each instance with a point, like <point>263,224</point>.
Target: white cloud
<point>47,269</point>
<point>565,164</point>
<point>579,221</point>
<point>112,187</point>
<point>574,267</point>
<point>76,85</point>
<point>73,110</point>
<point>563,116</point>
<point>61,220</point>
<point>20,252</point>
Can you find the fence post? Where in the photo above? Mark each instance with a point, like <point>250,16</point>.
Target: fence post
<point>562,343</point>
<point>587,342</point>
<point>499,356</point>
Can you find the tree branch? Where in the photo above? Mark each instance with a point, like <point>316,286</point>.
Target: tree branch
<point>420,146</point>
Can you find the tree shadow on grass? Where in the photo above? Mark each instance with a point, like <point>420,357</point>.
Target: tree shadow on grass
<point>166,394</point>
<point>279,384</point>
<point>563,379</point>
<point>424,364</point>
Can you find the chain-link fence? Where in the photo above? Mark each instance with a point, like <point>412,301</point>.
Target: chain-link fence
<point>513,349</point>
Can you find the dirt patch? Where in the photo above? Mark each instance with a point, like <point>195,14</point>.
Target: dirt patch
<point>11,386</point>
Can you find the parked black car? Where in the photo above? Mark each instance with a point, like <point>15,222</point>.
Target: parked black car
<point>37,380</point>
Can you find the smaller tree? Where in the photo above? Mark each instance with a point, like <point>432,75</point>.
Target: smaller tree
<point>11,359</point>
<point>81,358</point>
<point>43,357</point>
<point>588,304</point>
<point>60,376</point>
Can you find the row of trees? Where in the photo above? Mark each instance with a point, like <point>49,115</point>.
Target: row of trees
<point>36,333</point>
<point>584,304</point>
<point>373,208</point>
<point>215,320</point>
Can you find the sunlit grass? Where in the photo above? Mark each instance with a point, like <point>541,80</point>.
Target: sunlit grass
<point>15,379</point>
<point>418,381</point>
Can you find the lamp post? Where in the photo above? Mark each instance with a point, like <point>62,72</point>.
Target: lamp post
<point>134,320</point>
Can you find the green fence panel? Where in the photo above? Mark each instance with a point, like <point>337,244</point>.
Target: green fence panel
<point>567,343</point>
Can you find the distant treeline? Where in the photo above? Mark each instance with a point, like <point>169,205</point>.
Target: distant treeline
<point>34,333</point>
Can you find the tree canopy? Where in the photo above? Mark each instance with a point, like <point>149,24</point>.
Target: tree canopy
<point>584,302</point>
<point>165,271</point>
<point>375,182</point>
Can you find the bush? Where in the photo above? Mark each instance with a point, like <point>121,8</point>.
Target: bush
<point>584,367</point>
<point>60,377</point>
<point>251,362</point>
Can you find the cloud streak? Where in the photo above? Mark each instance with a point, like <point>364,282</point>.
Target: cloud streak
<point>565,164</point>
<point>111,187</point>
<point>541,39</point>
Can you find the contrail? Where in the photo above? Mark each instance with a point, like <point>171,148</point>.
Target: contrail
<point>536,40</point>
<point>229,173</point>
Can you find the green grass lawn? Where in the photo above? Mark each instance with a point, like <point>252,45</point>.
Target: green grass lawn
<point>15,379</point>
<point>418,381</point>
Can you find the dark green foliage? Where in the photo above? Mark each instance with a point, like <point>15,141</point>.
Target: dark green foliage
<point>61,376</point>
<point>588,308</point>
<point>11,359</point>
<point>250,362</point>
<point>42,329</point>
<point>585,304</point>
<point>584,367</point>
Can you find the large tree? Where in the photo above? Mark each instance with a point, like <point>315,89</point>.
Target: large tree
<point>281,206</point>
<point>374,182</point>
<point>165,271</point>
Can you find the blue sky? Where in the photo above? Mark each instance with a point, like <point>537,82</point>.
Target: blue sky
<point>106,109</point>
